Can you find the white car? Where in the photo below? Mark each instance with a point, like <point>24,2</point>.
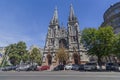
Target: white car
<point>68,66</point>
<point>22,68</point>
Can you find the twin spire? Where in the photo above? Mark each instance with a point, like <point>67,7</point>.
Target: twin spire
<point>55,16</point>
<point>71,15</point>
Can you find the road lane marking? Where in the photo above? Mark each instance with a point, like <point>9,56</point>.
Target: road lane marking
<point>92,76</point>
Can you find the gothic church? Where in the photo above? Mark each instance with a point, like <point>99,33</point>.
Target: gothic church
<point>59,36</point>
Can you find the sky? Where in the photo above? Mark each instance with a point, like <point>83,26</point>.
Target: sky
<point>28,20</point>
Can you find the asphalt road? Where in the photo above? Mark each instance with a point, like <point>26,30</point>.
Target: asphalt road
<point>60,75</point>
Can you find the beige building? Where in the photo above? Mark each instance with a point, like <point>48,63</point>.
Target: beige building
<point>2,51</point>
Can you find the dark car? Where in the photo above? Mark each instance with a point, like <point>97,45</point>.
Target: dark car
<point>112,67</point>
<point>90,66</point>
<point>75,67</point>
<point>9,68</point>
<point>6,68</point>
<point>59,67</point>
<point>81,67</point>
<point>32,68</point>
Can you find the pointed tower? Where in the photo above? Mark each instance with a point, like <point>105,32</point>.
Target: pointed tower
<point>54,19</point>
<point>51,38</point>
<point>73,30</point>
<point>72,16</point>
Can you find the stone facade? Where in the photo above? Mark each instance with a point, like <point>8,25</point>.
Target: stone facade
<point>68,38</point>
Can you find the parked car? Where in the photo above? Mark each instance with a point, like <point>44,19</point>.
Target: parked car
<point>118,66</point>
<point>27,67</point>
<point>41,68</point>
<point>9,68</point>
<point>32,68</point>
<point>59,67</point>
<point>75,66</point>
<point>112,66</point>
<point>81,67</point>
<point>90,66</point>
<point>68,67</point>
<point>22,68</point>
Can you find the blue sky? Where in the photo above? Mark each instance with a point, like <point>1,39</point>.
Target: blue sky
<point>28,20</point>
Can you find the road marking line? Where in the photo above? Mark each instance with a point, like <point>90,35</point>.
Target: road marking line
<point>107,76</point>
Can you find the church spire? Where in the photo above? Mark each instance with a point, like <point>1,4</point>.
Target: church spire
<point>55,17</point>
<point>71,14</point>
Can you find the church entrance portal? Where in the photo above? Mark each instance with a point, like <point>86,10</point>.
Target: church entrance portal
<point>49,59</point>
<point>76,58</point>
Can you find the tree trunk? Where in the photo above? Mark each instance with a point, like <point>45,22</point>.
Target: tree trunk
<point>115,60</point>
<point>100,62</point>
<point>106,60</point>
<point>109,59</point>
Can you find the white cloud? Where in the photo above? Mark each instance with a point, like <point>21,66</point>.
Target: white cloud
<point>9,38</point>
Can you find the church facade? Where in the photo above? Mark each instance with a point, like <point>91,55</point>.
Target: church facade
<point>58,36</point>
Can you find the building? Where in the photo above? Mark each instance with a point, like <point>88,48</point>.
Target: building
<point>112,17</point>
<point>58,36</point>
<point>2,51</point>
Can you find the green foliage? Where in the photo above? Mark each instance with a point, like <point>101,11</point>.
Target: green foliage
<point>16,52</point>
<point>106,38</point>
<point>98,42</point>
<point>116,46</point>
<point>36,56</point>
<point>4,64</point>
<point>89,36</point>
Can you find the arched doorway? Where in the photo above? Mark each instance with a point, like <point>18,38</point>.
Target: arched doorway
<point>62,43</point>
<point>76,58</point>
<point>49,59</point>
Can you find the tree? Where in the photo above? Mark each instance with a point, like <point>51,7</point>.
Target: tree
<point>22,52</point>
<point>98,42</point>
<point>106,38</point>
<point>62,56</point>
<point>35,56</point>
<point>116,46</point>
<point>16,52</point>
